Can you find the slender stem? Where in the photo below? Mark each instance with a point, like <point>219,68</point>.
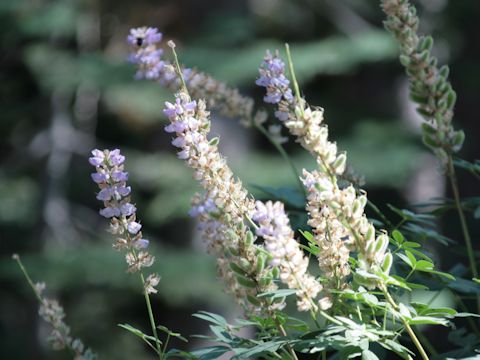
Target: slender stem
<point>166,344</point>
<point>177,65</point>
<point>284,333</point>
<point>461,215</point>
<point>294,78</point>
<point>407,326</point>
<point>152,319</point>
<point>29,279</point>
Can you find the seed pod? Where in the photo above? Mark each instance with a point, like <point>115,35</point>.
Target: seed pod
<point>249,238</point>
<point>244,281</point>
<point>245,264</point>
<point>236,269</point>
<point>451,98</point>
<point>429,129</point>
<point>458,140</point>
<point>381,244</point>
<point>233,251</point>
<point>260,263</point>
<point>430,141</point>
<point>275,272</point>
<point>214,141</point>
<point>426,43</point>
<point>444,71</point>
<point>387,263</point>
<point>253,300</point>
<point>339,163</point>
<point>231,234</point>
<point>370,234</point>
<point>265,281</point>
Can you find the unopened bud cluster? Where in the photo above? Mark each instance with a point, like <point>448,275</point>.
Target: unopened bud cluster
<point>429,85</point>
<point>60,338</point>
<point>115,194</point>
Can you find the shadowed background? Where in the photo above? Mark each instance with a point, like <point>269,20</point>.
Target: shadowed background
<point>65,88</point>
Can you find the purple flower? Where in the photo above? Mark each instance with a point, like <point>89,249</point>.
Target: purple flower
<point>115,158</point>
<point>141,244</point>
<point>144,36</point>
<point>97,158</point>
<point>99,177</point>
<point>128,209</point>
<point>110,212</point>
<point>272,77</point>
<point>133,227</point>
<point>105,194</point>
<point>120,176</point>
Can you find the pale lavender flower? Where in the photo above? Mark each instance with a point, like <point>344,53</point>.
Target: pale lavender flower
<point>272,77</point>
<point>114,192</point>
<point>274,227</point>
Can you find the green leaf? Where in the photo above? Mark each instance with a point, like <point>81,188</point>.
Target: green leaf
<point>171,333</point>
<point>278,293</point>
<point>212,318</point>
<point>141,335</point>
<point>398,236</point>
<point>369,355</point>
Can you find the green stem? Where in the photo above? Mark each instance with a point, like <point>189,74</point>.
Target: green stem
<point>152,319</point>
<point>284,154</point>
<point>294,78</point>
<point>463,222</point>
<point>29,279</point>
<point>407,326</point>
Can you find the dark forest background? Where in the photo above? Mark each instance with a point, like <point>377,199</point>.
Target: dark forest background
<point>66,88</point>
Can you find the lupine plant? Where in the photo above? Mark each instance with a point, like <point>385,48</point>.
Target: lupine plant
<point>341,289</point>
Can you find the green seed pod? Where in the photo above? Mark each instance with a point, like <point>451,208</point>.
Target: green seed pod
<point>233,251</point>
<point>339,163</point>
<point>387,263</point>
<point>245,264</point>
<point>425,43</point>
<point>249,239</point>
<point>404,60</point>
<point>451,98</point>
<point>265,281</point>
<point>260,263</point>
<point>231,234</point>
<point>458,140</point>
<point>275,272</point>
<point>444,71</point>
<point>370,234</point>
<point>429,129</point>
<point>381,244</point>
<point>430,141</point>
<point>237,269</point>
<point>253,300</point>
<point>214,141</point>
<point>244,281</point>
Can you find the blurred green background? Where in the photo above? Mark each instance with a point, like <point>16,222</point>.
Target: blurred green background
<point>65,88</point>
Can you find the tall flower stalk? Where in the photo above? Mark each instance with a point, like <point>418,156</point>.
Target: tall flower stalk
<point>148,58</point>
<point>53,313</point>
<point>111,178</point>
<point>431,90</point>
<point>324,194</point>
